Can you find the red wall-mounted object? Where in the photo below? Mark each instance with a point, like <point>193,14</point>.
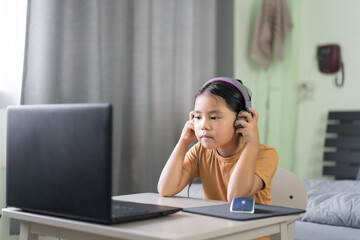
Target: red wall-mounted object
<point>329,58</point>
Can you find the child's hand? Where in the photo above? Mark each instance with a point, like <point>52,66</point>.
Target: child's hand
<point>188,132</point>
<point>249,130</point>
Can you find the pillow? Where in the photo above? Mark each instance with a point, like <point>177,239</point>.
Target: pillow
<point>333,202</point>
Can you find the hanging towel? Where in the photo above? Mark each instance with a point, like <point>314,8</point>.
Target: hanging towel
<point>272,25</point>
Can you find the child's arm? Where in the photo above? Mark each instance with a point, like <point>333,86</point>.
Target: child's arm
<point>173,177</point>
<point>243,181</point>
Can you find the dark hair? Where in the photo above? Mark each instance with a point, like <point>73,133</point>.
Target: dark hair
<point>226,91</point>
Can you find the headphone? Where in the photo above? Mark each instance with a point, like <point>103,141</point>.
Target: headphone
<point>247,99</point>
<point>236,83</point>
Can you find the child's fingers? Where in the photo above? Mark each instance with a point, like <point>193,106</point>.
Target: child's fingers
<point>190,125</point>
<point>255,114</point>
<point>188,132</point>
<point>243,116</point>
<point>244,124</point>
<point>239,130</point>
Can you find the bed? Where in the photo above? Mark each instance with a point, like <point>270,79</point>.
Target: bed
<point>333,208</point>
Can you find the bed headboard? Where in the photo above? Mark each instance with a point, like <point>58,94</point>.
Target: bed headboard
<point>342,145</point>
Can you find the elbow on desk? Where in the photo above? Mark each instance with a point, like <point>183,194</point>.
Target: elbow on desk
<point>163,192</point>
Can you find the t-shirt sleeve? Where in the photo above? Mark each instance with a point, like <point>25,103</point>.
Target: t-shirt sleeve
<point>190,160</point>
<point>267,164</point>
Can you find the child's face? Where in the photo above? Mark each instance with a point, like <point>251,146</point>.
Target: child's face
<point>214,121</point>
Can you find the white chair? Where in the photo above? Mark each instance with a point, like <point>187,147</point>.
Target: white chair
<point>288,190</point>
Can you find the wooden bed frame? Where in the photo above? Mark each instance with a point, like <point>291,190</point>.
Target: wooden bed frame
<point>342,145</point>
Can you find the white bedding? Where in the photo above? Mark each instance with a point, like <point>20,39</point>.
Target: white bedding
<point>333,202</point>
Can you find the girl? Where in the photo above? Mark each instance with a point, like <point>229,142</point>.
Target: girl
<point>231,160</point>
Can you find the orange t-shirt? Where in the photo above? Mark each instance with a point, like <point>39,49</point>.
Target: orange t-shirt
<point>215,171</point>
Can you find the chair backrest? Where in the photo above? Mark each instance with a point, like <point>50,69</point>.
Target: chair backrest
<point>288,190</point>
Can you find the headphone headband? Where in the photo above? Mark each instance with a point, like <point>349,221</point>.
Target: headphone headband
<point>236,83</point>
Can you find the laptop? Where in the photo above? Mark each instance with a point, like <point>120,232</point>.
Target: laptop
<point>59,163</point>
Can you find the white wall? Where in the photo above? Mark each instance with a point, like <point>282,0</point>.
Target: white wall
<point>322,22</point>
<point>12,41</point>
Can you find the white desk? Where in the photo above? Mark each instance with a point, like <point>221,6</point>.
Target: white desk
<point>180,225</point>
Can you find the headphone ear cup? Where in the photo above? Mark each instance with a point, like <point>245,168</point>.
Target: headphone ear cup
<point>240,118</point>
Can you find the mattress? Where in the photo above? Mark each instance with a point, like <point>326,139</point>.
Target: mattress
<point>316,231</point>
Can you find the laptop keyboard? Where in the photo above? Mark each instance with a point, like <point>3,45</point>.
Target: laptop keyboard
<point>124,209</point>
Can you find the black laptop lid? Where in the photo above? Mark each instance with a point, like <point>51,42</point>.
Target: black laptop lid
<point>59,160</point>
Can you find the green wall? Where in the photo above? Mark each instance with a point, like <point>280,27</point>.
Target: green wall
<point>297,117</point>
<point>275,87</point>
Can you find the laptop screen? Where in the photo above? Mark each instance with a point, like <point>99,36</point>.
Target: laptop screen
<point>59,159</point>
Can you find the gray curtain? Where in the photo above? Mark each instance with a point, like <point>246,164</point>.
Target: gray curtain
<point>147,58</point>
